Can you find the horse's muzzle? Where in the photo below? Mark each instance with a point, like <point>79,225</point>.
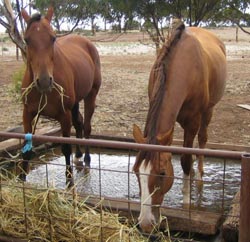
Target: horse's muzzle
<point>150,222</point>
<point>44,83</point>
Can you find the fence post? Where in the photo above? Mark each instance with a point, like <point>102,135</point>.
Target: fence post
<point>244,230</point>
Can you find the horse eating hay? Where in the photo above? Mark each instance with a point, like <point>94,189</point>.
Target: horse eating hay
<point>60,72</point>
<point>185,83</point>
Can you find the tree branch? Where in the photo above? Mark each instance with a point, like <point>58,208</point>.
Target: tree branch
<point>244,30</point>
<point>11,27</point>
<point>242,16</point>
<point>4,24</point>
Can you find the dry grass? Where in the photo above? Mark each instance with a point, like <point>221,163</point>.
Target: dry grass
<point>46,214</point>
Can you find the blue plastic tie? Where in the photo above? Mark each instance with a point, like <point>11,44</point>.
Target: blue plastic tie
<point>28,145</point>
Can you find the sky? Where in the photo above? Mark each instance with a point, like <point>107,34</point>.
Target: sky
<point>63,27</point>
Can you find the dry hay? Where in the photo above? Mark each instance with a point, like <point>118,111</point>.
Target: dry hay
<point>46,214</point>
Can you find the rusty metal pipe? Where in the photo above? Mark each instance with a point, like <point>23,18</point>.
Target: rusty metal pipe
<point>128,145</point>
<point>244,230</point>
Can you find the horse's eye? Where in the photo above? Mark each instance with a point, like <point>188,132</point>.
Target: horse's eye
<point>53,39</point>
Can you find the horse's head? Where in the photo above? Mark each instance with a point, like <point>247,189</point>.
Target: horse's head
<point>154,172</point>
<point>40,37</point>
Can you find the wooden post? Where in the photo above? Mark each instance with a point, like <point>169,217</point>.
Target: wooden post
<point>17,53</point>
<point>244,231</point>
<point>237,34</point>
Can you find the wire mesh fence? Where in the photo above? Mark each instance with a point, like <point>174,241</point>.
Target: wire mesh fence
<point>104,203</point>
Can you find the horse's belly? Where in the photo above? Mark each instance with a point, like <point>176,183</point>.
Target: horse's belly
<point>83,85</point>
<point>217,87</point>
<point>86,89</point>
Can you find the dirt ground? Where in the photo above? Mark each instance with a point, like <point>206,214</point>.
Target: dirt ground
<point>123,101</point>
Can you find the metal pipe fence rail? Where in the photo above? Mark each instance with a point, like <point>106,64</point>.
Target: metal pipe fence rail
<point>131,207</point>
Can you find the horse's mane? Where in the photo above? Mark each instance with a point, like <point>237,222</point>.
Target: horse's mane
<point>160,72</point>
<point>34,18</point>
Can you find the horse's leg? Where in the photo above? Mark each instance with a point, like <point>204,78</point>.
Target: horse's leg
<point>202,139</point>
<point>89,108</point>
<point>77,121</point>
<point>26,155</point>
<point>65,122</point>
<point>190,132</point>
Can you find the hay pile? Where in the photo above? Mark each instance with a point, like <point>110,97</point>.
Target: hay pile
<point>46,214</point>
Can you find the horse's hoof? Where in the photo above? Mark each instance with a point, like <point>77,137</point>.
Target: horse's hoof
<point>87,160</point>
<point>70,182</point>
<point>87,163</point>
<point>79,165</point>
<point>86,169</point>
<point>199,185</point>
<point>22,177</point>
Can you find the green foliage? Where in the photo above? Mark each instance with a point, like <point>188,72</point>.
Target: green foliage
<point>157,12</point>
<point>132,25</point>
<point>17,80</point>
<point>4,48</point>
<point>5,39</point>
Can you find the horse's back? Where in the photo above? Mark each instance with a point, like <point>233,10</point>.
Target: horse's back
<point>215,54</point>
<point>72,42</point>
<point>207,38</point>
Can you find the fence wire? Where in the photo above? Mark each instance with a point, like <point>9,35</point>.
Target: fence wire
<point>66,212</point>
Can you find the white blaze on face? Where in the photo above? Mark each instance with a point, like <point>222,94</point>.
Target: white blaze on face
<point>146,216</point>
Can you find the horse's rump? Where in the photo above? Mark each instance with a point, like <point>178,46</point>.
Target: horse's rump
<point>215,54</point>
<point>192,72</point>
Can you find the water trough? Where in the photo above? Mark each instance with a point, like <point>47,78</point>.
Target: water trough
<point>123,197</point>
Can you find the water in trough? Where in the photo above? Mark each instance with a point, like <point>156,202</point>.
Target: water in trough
<point>116,179</point>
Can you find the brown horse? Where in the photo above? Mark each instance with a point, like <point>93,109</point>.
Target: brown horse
<point>185,83</point>
<point>60,72</point>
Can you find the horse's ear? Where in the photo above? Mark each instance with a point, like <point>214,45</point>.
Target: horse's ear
<point>49,14</point>
<point>166,138</point>
<point>25,15</point>
<point>138,135</point>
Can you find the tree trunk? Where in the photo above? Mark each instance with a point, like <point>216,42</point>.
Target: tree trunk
<point>237,32</point>
<point>93,26</point>
<point>105,24</point>
<point>12,29</point>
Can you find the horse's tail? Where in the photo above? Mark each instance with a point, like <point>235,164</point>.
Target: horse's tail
<point>159,74</point>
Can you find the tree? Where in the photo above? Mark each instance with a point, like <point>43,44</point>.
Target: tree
<point>116,12</point>
<point>104,12</point>
<point>62,12</point>
<point>9,20</point>
<point>195,11</point>
<point>236,11</point>
<point>82,11</point>
<point>202,10</point>
<point>156,14</point>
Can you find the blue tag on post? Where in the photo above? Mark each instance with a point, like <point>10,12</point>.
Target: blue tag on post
<point>28,145</point>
